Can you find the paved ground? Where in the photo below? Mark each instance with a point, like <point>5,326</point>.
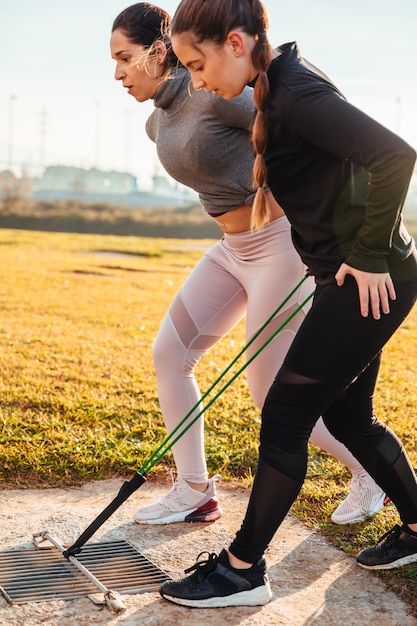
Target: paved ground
<point>313,583</point>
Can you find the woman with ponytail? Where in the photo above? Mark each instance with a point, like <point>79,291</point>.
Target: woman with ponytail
<point>341,179</point>
<point>232,279</point>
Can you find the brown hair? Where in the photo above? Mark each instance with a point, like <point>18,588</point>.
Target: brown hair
<point>144,24</point>
<point>213,20</point>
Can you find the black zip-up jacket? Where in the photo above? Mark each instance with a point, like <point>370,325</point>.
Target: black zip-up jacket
<point>339,175</point>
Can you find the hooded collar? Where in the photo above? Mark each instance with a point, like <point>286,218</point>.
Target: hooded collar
<point>170,88</point>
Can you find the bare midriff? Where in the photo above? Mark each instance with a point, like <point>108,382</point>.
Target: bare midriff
<point>238,220</point>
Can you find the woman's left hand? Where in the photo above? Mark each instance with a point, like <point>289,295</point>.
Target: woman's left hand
<point>375,290</point>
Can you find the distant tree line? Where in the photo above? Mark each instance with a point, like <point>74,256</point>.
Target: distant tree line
<point>19,212</point>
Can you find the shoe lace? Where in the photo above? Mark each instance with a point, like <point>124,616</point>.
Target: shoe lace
<point>205,566</point>
<point>357,486</point>
<point>174,478</point>
<point>171,492</point>
<point>390,536</point>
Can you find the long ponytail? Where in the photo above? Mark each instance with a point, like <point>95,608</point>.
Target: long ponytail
<point>261,58</point>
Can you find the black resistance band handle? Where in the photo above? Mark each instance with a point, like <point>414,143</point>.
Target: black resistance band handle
<point>128,487</point>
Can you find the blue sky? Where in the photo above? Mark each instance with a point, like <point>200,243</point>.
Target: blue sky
<point>57,85</point>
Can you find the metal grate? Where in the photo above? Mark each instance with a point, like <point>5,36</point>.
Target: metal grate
<point>36,575</point>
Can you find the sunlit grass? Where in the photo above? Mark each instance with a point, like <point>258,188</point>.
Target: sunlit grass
<point>78,395</point>
<point>78,401</point>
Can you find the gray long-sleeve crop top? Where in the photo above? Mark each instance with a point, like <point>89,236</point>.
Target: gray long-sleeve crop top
<point>204,141</point>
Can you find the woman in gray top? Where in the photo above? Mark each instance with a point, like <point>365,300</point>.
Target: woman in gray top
<point>204,142</point>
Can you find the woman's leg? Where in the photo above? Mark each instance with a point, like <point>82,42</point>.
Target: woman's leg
<point>208,305</point>
<point>353,412</point>
<point>269,268</point>
<point>365,497</point>
<point>321,352</point>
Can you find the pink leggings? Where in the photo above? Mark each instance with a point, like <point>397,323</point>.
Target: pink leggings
<point>246,273</point>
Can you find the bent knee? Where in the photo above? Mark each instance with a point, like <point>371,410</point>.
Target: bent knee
<point>168,352</point>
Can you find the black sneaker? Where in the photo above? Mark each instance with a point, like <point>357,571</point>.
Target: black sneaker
<point>215,583</point>
<point>394,549</point>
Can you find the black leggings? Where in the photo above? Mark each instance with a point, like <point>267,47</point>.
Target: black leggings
<point>330,370</point>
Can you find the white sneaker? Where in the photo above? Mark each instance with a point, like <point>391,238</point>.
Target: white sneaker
<point>182,504</point>
<point>365,499</point>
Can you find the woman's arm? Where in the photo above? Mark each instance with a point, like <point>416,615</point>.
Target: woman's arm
<point>327,121</point>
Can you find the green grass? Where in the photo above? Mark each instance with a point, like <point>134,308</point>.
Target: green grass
<point>77,385</point>
<point>78,393</point>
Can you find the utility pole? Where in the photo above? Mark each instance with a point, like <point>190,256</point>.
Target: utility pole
<point>42,141</point>
<point>12,99</point>
<point>97,138</point>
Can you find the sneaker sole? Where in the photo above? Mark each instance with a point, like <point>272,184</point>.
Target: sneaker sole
<point>405,560</point>
<point>378,506</point>
<point>254,597</point>
<point>209,512</point>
